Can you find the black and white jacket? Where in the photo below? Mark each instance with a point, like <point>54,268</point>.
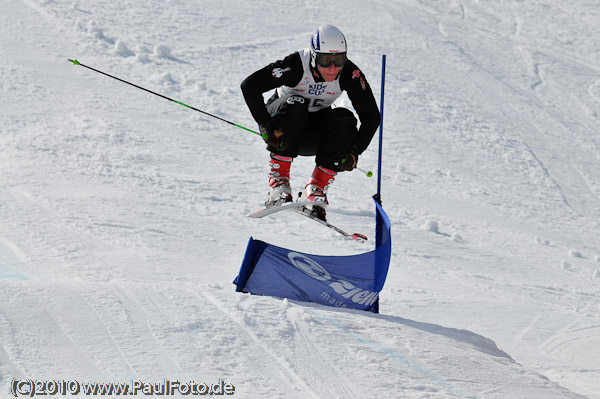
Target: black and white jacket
<point>294,75</point>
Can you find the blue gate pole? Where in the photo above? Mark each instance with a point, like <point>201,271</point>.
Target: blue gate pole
<point>378,197</point>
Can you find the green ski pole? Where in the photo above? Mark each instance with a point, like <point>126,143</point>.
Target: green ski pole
<point>367,173</point>
<point>75,62</point>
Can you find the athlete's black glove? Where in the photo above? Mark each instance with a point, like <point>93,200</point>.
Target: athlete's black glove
<point>348,161</point>
<point>273,136</point>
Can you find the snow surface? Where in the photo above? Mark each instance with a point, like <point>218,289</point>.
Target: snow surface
<point>123,215</point>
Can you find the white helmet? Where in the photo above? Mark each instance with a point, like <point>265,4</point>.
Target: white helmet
<point>328,46</point>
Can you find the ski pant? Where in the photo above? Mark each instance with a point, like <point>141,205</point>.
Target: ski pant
<point>327,133</point>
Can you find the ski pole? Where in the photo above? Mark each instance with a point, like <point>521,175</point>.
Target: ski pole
<point>367,173</point>
<point>75,62</point>
<point>264,136</point>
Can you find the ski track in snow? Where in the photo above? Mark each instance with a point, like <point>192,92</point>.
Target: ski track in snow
<point>293,377</point>
<point>123,214</point>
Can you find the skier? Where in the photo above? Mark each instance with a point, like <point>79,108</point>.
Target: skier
<point>299,118</point>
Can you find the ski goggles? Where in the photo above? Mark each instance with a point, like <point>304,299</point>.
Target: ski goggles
<point>326,59</point>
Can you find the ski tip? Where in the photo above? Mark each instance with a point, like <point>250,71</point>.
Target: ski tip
<point>256,214</point>
<point>359,237</point>
<point>75,62</point>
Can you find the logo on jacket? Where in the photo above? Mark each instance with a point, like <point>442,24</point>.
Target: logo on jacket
<point>278,72</point>
<point>295,99</point>
<point>343,288</point>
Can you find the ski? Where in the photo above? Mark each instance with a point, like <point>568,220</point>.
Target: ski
<point>356,236</point>
<point>299,207</point>
<point>273,209</point>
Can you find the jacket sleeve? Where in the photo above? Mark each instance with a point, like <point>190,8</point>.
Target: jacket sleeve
<point>286,72</point>
<point>359,92</point>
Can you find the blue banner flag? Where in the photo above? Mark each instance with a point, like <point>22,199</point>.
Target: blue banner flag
<point>342,281</point>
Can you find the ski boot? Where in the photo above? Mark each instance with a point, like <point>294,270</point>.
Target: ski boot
<point>316,191</point>
<point>280,191</point>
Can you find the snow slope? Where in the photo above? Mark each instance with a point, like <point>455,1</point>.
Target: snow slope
<point>123,214</point>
